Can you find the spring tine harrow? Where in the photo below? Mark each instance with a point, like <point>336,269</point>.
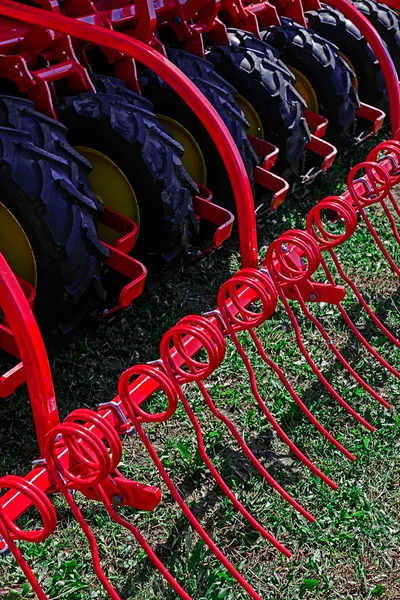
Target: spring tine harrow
<point>10,531</point>
<point>213,343</point>
<point>293,278</point>
<point>215,338</point>
<point>97,451</point>
<point>247,320</point>
<point>138,416</point>
<point>327,242</point>
<point>375,187</point>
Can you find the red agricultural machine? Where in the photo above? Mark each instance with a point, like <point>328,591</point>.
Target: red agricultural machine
<point>84,158</point>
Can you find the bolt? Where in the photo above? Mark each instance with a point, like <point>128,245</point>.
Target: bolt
<point>312,297</point>
<point>176,20</point>
<point>117,500</point>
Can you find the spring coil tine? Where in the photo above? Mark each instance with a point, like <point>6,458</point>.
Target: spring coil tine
<point>10,531</point>
<point>226,314</point>
<point>328,242</point>
<point>131,409</point>
<point>114,443</point>
<point>215,332</point>
<point>229,291</point>
<point>200,329</point>
<point>96,469</point>
<point>376,175</point>
<point>304,235</point>
<point>388,149</point>
<point>275,250</point>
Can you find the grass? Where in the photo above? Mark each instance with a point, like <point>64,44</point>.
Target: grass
<point>351,552</point>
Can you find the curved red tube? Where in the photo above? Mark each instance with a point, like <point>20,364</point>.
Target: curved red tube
<point>21,321</point>
<point>389,71</point>
<point>182,86</point>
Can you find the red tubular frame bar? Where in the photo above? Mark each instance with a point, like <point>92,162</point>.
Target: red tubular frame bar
<point>385,61</point>
<point>182,86</point>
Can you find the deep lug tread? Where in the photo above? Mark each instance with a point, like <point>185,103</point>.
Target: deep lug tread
<point>325,69</point>
<point>163,188</point>
<point>36,183</point>
<point>45,132</point>
<point>386,22</point>
<point>332,25</point>
<point>269,89</point>
<point>221,95</point>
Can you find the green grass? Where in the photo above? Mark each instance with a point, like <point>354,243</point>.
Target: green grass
<point>351,552</point>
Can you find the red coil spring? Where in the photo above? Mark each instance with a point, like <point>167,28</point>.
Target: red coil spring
<point>10,531</point>
<point>389,149</point>
<point>265,295</point>
<point>260,284</point>
<point>342,211</point>
<point>212,342</point>
<point>376,189</point>
<point>95,451</point>
<point>277,255</point>
<point>328,242</point>
<point>206,334</point>
<point>131,409</point>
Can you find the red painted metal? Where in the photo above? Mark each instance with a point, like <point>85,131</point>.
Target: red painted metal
<point>32,351</point>
<point>385,61</point>
<point>84,451</point>
<point>179,83</point>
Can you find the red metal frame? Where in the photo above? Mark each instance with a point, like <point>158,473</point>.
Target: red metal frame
<point>305,290</point>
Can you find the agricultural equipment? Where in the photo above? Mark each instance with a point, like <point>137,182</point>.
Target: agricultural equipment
<point>94,90</point>
<point>82,453</point>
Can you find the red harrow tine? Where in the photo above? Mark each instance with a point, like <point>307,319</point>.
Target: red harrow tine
<point>374,188</point>
<point>247,320</point>
<point>92,463</point>
<point>289,275</point>
<point>138,416</point>
<point>212,341</point>
<point>327,242</point>
<point>215,336</point>
<point>302,235</point>
<point>10,531</point>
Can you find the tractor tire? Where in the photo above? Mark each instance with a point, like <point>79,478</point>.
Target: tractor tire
<point>329,75</point>
<point>50,135</point>
<point>386,22</point>
<point>332,25</point>
<point>122,127</point>
<point>58,222</point>
<point>268,89</point>
<point>222,97</point>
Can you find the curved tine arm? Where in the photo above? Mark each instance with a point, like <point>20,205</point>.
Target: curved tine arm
<point>250,455</point>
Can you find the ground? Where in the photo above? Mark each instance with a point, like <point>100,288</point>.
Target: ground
<point>352,550</point>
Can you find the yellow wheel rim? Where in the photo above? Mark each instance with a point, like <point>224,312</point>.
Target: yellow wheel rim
<point>354,79</point>
<point>306,90</point>
<point>252,116</point>
<point>192,159</point>
<point>16,248</point>
<point>112,188</point>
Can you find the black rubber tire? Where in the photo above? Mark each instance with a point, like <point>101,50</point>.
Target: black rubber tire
<point>50,135</point>
<point>386,22</point>
<point>222,96</point>
<point>327,72</point>
<point>122,126</point>
<point>262,83</point>
<point>59,222</point>
<point>332,25</point>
